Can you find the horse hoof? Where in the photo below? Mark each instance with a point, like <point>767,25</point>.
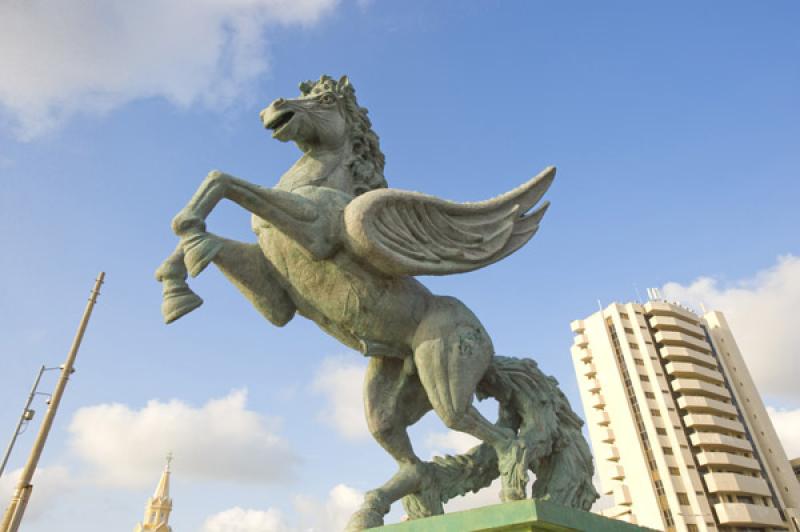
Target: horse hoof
<point>364,519</point>
<point>178,301</point>
<point>513,459</point>
<point>199,249</point>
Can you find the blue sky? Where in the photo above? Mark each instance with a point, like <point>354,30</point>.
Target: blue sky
<point>674,127</point>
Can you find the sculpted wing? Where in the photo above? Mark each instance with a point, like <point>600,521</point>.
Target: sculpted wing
<point>408,233</point>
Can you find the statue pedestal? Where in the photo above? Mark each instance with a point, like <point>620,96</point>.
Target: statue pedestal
<point>518,516</point>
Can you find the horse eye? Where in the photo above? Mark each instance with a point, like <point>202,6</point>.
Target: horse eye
<point>327,98</point>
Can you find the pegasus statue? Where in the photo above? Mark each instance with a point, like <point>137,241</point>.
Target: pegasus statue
<point>338,247</point>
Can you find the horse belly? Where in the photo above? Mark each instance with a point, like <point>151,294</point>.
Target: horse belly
<point>341,296</point>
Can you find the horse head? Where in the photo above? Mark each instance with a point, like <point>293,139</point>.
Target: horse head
<point>326,117</point>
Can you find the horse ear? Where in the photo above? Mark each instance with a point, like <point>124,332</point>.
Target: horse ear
<point>344,82</point>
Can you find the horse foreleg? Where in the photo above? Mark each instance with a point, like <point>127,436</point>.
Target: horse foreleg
<point>294,215</point>
<point>278,207</point>
<point>246,267</point>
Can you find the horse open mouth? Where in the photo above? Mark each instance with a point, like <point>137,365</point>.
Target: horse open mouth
<point>279,121</point>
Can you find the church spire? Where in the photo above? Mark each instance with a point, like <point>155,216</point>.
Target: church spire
<point>159,506</point>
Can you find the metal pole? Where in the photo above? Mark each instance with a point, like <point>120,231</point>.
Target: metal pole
<point>16,509</point>
<point>25,416</point>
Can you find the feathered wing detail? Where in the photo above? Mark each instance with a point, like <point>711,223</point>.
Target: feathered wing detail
<point>408,233</point>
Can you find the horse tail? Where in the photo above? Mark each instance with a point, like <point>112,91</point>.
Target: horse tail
<point>531,404</point>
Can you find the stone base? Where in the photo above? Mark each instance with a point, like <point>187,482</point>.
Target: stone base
<point>518,516</point>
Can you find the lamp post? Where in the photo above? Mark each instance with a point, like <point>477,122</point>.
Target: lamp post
<point>16,509</point>
<point>27,415</point>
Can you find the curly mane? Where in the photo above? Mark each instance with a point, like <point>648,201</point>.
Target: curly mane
<point>367,162</point>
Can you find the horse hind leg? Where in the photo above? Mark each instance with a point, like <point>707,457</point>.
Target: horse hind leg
<point>452,354</point>
<point>393,401</point>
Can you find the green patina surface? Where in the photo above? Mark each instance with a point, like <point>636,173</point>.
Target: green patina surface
<point>518,516</point>
<point>338,246</point>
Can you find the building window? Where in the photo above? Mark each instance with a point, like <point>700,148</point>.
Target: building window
<point>674,472</point>
<point>683,498</point>
<point>668,518</point>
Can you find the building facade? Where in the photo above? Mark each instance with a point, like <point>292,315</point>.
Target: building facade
<point>159,506</point>
<point>681,438</point>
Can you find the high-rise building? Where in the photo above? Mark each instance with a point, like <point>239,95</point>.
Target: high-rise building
<point>796,466</point>
<point>156,512</point>
<point>681,438</point>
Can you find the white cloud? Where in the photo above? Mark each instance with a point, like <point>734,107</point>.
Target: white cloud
<point>49,485</point>
<point>311,514</point>
<point>221,440</point>
<point>450,442</point>
<point>762,311</point>
<point>61,58</point>
<point>241,520</point>
<point>787,425</point>
<point>340,380</point>
<point>333,514</point>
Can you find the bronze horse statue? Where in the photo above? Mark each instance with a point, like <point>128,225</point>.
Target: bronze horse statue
<point>341,249</point>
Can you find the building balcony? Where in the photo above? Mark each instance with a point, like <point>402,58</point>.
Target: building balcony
<point>611,453</point>
<point>671,323</point>
<point>745,515</point>
<point>706,421</point>
<point>581,354</point>
<point>697,387</point>
<point>659,308</point>
<point>685,354</point>
<point>607,436</point>
<point>617,512</point>
<point>581,340</point>
<point>622,495</point>
<point>594,385</point>
<point>719,442</point>
<point>577,326</point>
<point>589,370</point>
<point>602,418</point>
<point>694,371</point>
<point>616,472</point>
<point>682,340</point>
<point>705,405</point>
<point>598,402</point>
<point>736,483</point>
<point>727,460</point>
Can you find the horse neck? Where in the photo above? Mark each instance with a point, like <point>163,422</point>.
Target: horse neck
<point>320,169</point>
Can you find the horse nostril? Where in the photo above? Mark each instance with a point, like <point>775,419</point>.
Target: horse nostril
<point>279,101</point>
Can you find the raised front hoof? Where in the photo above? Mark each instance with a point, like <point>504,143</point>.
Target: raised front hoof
<point>199,249</point>
<point>178,300</point>
<point>364,519</point>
